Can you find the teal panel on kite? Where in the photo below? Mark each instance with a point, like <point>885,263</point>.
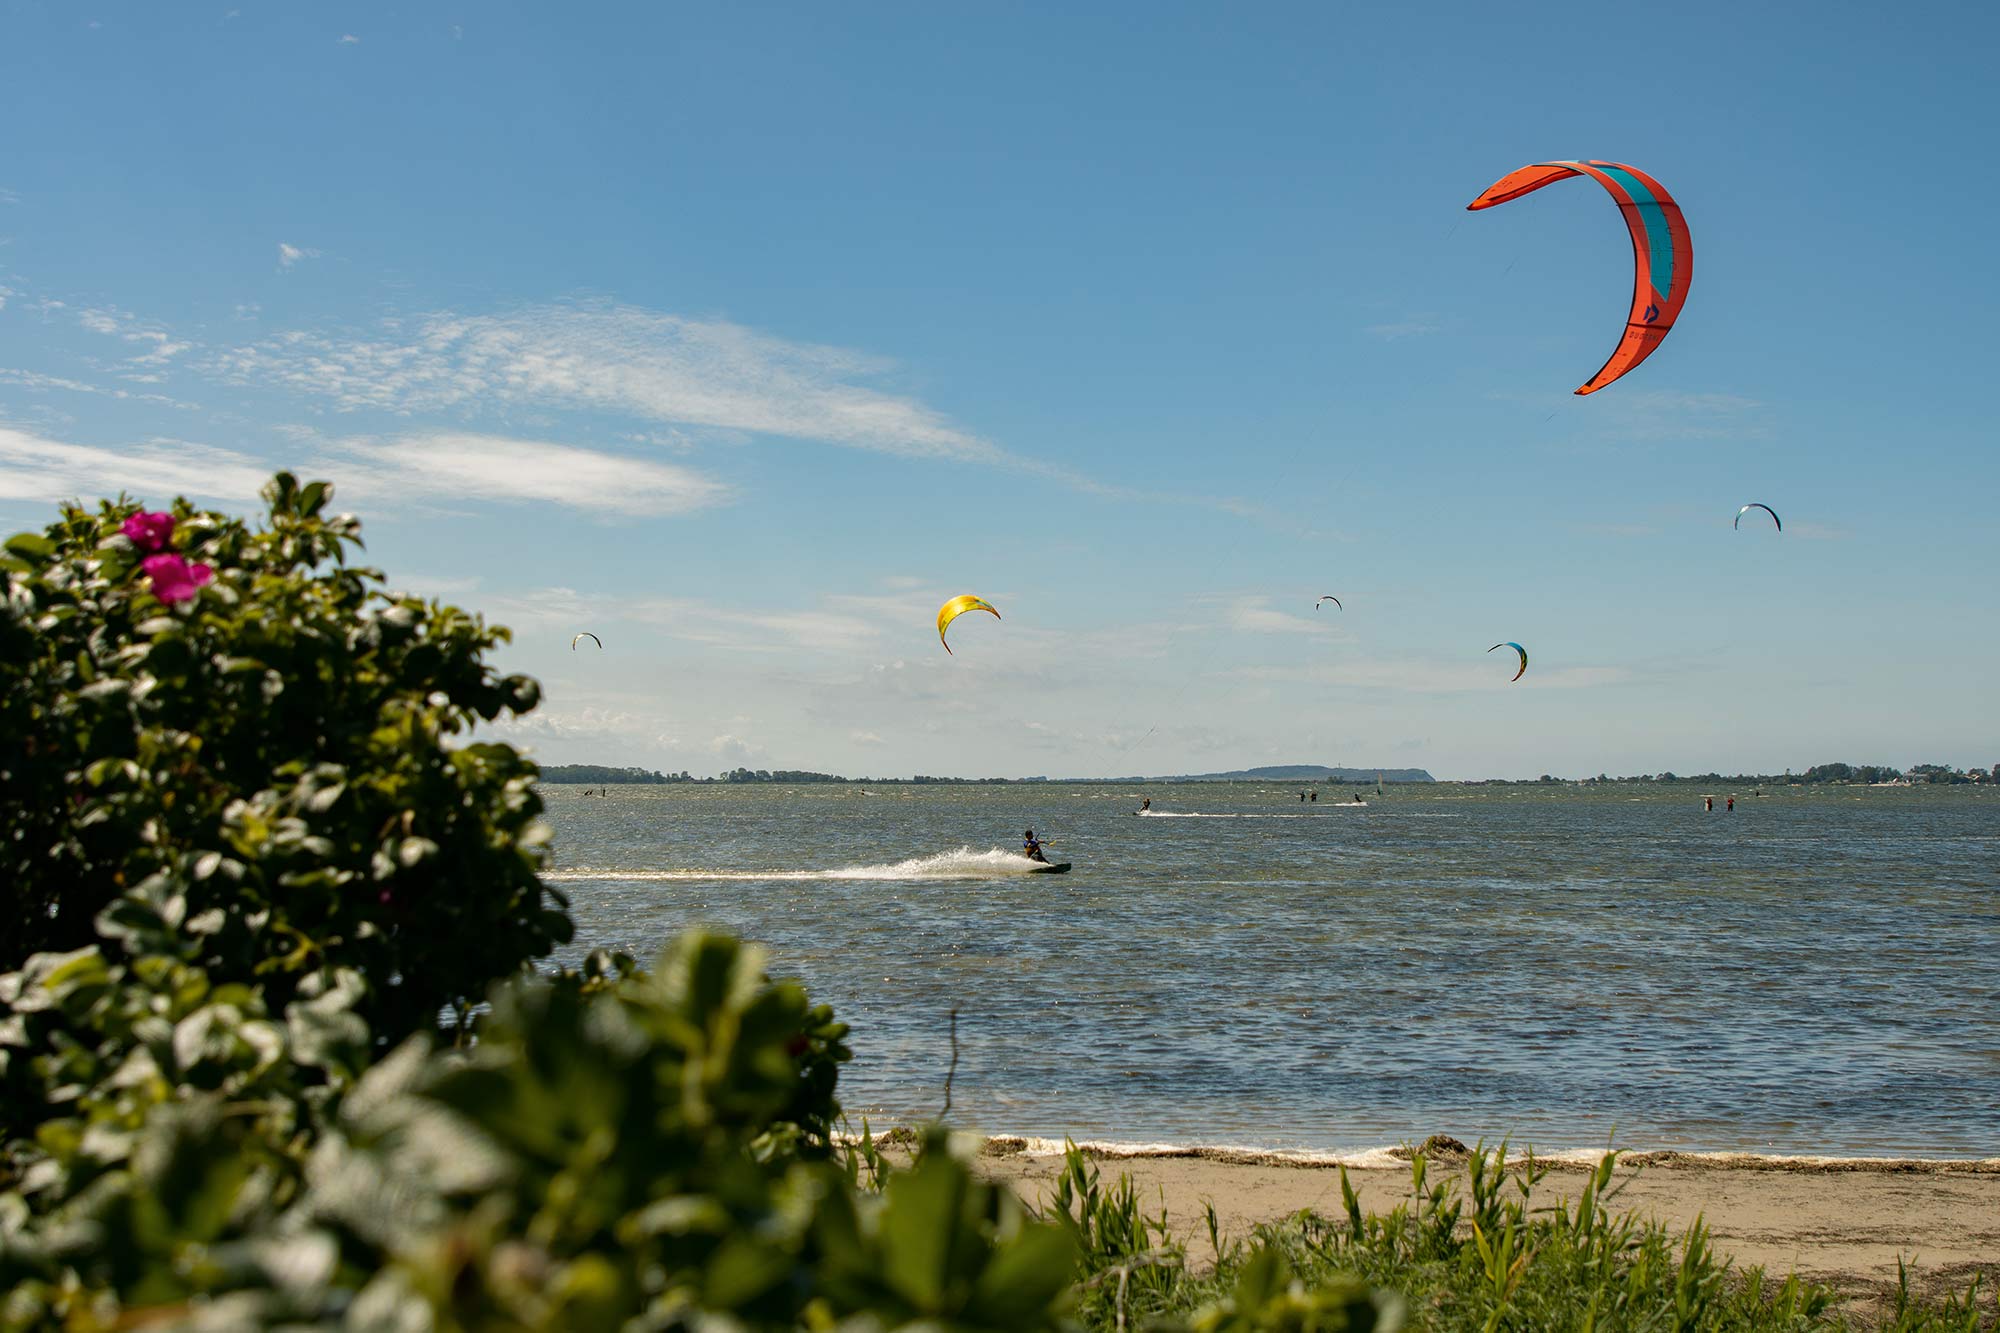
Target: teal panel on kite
<point>1517,648</point>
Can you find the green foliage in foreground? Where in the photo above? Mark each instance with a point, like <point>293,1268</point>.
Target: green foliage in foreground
<point>619,1150</point>
<point>284,741</point>
<point>1488,1258</point>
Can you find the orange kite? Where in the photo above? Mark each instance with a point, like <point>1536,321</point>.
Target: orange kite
<point>1662,251</point>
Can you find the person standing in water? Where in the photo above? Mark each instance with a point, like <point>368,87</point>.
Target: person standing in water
<point>1731,804</point>
<point>1708,803</point>
<point>1032,848</point>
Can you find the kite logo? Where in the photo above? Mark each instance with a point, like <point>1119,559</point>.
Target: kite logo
<point>1652,313</point>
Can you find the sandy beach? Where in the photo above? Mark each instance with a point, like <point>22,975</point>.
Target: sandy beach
<point>1843,1222</point>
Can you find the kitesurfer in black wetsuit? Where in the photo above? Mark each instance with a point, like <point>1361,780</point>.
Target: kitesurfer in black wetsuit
<point>1032,849</point>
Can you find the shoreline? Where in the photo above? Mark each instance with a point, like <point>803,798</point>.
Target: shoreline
<point>1398,1157</point>
<point>1845,1222</point>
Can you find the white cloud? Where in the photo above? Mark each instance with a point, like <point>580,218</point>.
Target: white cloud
<point>33,468</point>
<point>1254,614</point>
<point>289,255</point>
<point>865,738</point>
<point>112,322</point>
<point>693,620</point>
<point>349,39</point>
<point>653,367</point>
<point>1434,677</point>
<point>1410,326</point>
<point>735,750</point>
<point>488,467</point>
<point>1672,414</point>
<point>34,379</point>
<point>439,587</point>
<point>1806,530</point>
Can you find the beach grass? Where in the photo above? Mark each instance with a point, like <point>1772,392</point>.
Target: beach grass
<point>1489,1256</point>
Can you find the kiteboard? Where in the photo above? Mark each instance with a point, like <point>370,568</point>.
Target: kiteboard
<point>1058,868</point>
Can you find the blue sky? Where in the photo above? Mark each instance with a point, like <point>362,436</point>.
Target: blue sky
<point>743,336</point>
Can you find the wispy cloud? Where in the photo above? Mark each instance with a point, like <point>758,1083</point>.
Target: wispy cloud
<point>160,347</point>
<point>1435,677</point>
<point>1660,414</point>
<point>450,466</point>
<point>33,468</point>
<point>1255,615</point>
<point>653,367</point>
<point>349,39</point>
<point>1806,530</point>
<point>289,254</point>
<point>1410,326</point>
<point>34,379</point>
<point>695,620</point>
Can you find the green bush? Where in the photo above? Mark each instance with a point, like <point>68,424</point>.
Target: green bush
<point>617,1151</point>
<point>242,711</point>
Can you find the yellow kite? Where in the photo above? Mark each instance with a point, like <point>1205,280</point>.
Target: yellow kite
<point>957,607</point>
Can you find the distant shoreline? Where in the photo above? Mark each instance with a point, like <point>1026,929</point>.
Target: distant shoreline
<point>594,776</point>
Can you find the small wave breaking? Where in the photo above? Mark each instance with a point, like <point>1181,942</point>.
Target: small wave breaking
<point>964,863</point>
<point>1300,814</point>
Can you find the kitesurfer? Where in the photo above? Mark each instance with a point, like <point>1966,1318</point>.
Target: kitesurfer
<point>1145,805</point>
<point>1315,795</point>
<point>1731,805</point>
<point>1708,803</point>
<point>1032,848</point>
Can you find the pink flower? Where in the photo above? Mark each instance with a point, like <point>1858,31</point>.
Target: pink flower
<point>149,532</point>
<point>174,579</point>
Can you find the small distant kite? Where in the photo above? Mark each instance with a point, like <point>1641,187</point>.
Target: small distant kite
<point>1517,648</point>
<point>1662,250</point>
<point>1754,505</point>
<point>957,607</point>
<point>581,637</point>
<point>1328,598</point>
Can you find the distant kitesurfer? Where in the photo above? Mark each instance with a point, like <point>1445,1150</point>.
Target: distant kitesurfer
<point>1358,800</point>
<point>1708,803</point>
<point>1315,795</point>
<point>1732,804</point>
<point>1032,848</point>
<point>1145,805</point>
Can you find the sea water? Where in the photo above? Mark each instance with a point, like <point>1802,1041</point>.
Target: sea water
<point>1816,972</point>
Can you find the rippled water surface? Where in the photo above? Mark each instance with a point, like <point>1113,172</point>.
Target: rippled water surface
<point>1817,972</point>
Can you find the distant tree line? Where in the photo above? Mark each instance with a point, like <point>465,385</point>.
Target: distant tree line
<point>600,773</point>
<point>1818,773</point>
<point>596,773</point>
<point>793,775</point>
